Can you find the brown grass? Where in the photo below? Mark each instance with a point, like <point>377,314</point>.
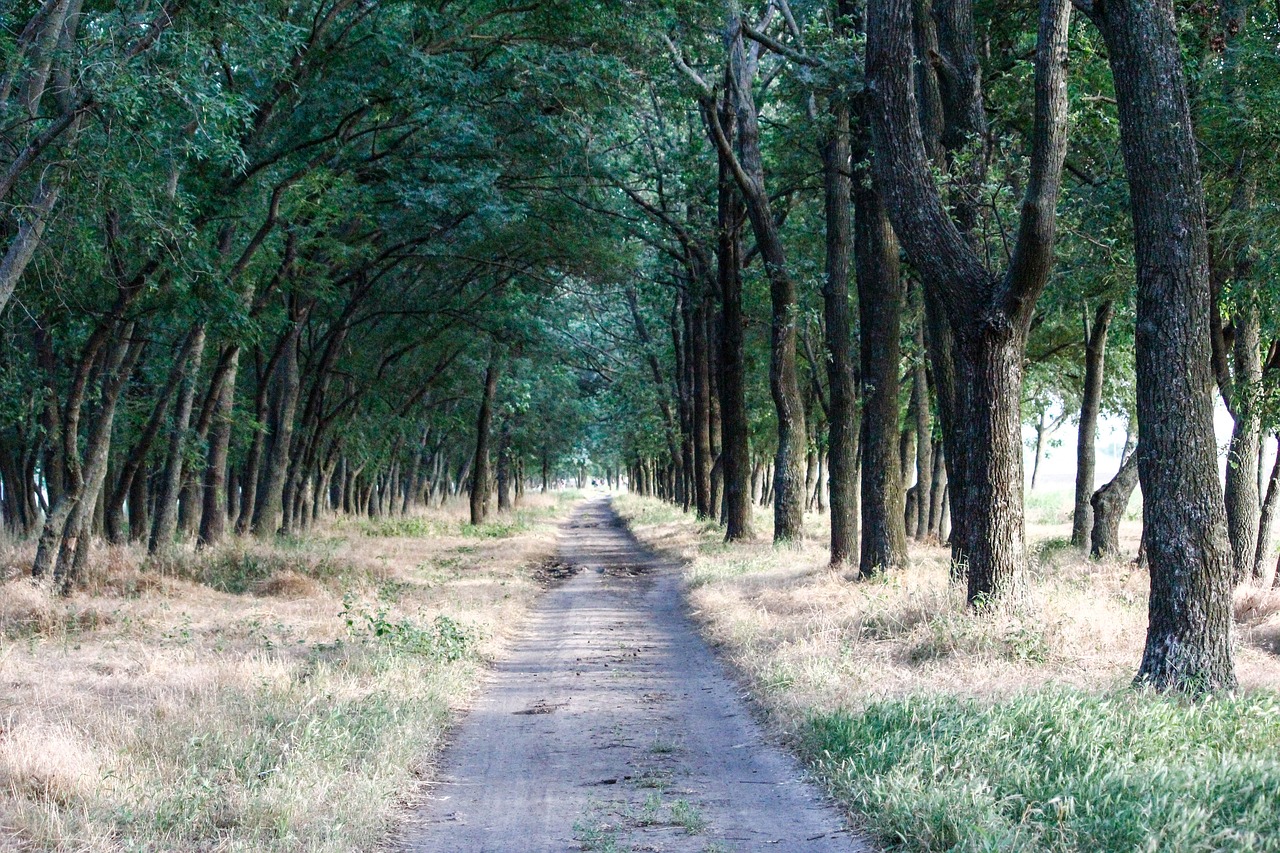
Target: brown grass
<point>811,639</point>
<point>152,711</point>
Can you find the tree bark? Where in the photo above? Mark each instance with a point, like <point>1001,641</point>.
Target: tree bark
<point>1267,516</point>
<point>924,435</point>
<point>1108,504</point>
<point>989,313</point>
<point>214,517</point>
<point>842,424</point>
<point>1241,494</point>
<point>735,445</point>
<point>784,385</point>
<point>268,510</point>
<point>1189,633</point>
<point>884,538</point>
<point>701,369</point>
<point>1095,353</point>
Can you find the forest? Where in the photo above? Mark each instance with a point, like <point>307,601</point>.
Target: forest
<point>835,269</point>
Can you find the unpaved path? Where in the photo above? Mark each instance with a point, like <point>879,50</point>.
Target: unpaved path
<point>612,727</point>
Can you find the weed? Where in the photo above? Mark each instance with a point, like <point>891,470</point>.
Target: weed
<point>688,816</point>
<point>444,639</point>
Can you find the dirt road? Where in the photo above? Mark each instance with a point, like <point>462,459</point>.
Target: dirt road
<point>612,727</point>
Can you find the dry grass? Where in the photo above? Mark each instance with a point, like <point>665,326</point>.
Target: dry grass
<point>277,696</point>
<point>813,640</point>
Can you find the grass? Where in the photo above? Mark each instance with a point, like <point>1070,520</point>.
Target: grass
<point>942,729</point>
<point>1059,769</point>
<point>266,696</point>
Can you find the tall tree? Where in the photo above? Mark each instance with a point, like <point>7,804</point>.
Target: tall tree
<point>989,312</point>
<point>1189,633</point>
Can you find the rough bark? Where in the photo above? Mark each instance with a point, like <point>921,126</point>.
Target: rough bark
<point>1189,633</point>
<point>268,510</point>
<point>884,539</point>
<point>784,385</point>
<point>989,312</point>
<point>1241,495</point>
<point>1267,517</point>
<point>701,370</point>
<point>735,445</point>
<point>919,525</point>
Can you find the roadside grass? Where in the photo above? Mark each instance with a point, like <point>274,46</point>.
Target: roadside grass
<point>265,696</point>
<point>941,729</point>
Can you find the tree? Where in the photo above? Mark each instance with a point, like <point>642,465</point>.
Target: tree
<point>989,312</point>
<point>1189,634</point>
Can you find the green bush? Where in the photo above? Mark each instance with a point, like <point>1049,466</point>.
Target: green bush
<point>1059,769</point>
<point>443,639</point>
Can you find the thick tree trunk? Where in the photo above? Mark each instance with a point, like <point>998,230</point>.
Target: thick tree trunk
<point>884,540</point>
<point>165,526</point>
<point>1108,504</point>
<point>1189,633</point>
<point>480,467</point>
<point>989,313</point>
<point>991,545</point>
<point>1095,354</point>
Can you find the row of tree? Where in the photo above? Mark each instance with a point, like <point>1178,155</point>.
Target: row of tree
<point>929,144</point>
<point>266,261</point>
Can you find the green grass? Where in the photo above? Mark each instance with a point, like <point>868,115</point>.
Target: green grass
<point>1059,769</point>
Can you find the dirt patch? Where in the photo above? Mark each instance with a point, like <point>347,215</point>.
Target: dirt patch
<point>554,571</point>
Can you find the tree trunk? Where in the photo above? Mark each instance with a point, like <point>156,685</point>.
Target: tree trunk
<point>165,526</point>
<point>1095,354</point>
<point>1035,467</point>
<point>1241,496</point>
<point>1189,633</point>
<point>504,466</point>
<point>1108,504</point>
<point>735,445</point>
<point>937,493</point>
<point>784,386</point>
<point>480,467</point>
<point>924,436</point>
<point>268,511</point>
<point>213,519</point>
<point>701,369</point>
<point>989,313</point>
<point>884,539</point>
<point>1267,516</point>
